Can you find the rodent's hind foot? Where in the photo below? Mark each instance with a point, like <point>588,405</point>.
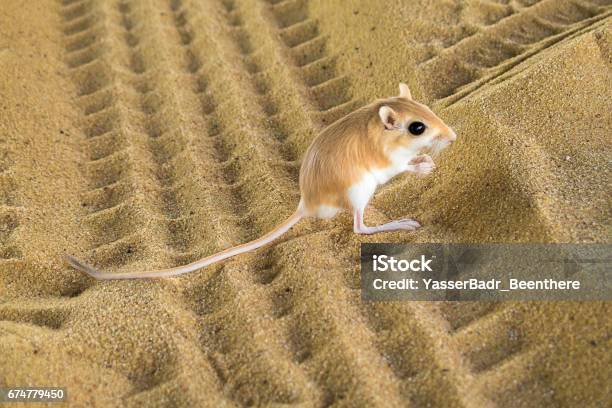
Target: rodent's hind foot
<point>405,224</point>
<point>397,225</point>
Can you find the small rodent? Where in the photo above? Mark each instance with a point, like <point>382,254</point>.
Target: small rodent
<point>342,168</point>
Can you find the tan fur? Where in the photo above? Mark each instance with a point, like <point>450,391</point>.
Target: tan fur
<point>343,151</point>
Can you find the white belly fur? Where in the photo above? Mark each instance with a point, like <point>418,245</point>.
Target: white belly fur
<point>360,193</point>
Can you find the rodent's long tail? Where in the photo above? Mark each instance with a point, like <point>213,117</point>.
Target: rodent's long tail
<point>209,260</point>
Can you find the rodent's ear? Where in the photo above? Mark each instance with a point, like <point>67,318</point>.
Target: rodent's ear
<point>404,91</point>
<point>387,116</point>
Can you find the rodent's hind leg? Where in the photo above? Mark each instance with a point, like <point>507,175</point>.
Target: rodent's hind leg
<point>360,228</point>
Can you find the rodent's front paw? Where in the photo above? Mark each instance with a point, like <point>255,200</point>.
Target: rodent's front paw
<point>422,165</point>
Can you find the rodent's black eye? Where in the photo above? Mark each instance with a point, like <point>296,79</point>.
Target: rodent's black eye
<point>417,128</point>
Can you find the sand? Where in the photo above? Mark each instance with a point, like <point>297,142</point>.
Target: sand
<point>145,134</point>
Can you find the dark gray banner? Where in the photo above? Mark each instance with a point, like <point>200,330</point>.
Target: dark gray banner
<point>492,272</point>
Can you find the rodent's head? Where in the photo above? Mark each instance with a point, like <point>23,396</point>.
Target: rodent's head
<point>412,125</point>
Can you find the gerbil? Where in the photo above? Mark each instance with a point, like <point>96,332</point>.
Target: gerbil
<point>342,169</point>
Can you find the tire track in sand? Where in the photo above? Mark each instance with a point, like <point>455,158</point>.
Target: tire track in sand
<point>496,48</point>
<point>108,77</point>
<point>128,112</point>
<point>493,347</point>
<point>307,54</point>
<point>223,303</point>
<point>137,77</point>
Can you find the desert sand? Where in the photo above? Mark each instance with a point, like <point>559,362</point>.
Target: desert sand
<point>146,134</point>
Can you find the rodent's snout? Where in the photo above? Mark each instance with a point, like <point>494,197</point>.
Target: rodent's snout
<point>447,136</point>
